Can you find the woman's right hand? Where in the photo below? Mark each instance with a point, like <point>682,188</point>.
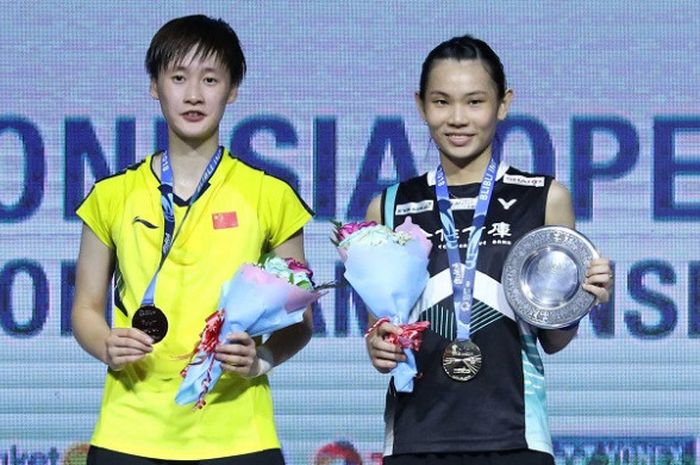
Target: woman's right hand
<point>126,345</point>
<point>383,354</point>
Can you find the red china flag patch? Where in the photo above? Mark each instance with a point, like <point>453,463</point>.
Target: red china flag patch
<point>224,220</point>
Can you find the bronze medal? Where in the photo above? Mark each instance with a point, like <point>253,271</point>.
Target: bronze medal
<point>152,321</point>
<point>461,360</point>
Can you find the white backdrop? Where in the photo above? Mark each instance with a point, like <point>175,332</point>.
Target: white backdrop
<point>606,98</point>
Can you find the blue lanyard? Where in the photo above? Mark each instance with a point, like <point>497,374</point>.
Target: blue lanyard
<point>168,205</point>
<point>463,279</point>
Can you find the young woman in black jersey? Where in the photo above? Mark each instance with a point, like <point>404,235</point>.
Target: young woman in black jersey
<point>499,416</point>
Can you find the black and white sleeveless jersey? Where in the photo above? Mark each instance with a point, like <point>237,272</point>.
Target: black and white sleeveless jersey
<point>503,407</point>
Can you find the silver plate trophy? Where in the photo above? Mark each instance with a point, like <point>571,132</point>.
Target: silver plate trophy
<point>542,276</point>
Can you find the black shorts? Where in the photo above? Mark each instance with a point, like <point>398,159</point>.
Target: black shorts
<point>509,457</point>
<point>100,456</point>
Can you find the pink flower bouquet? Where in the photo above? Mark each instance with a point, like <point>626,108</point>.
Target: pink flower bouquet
<point>388,269</point>
<point>259,299</point>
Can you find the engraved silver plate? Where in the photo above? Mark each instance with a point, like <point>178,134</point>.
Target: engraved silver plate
<point>542,276</point>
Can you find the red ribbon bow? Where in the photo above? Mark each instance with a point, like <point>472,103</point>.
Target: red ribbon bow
<point>208,339</point>
<point>411,335</point>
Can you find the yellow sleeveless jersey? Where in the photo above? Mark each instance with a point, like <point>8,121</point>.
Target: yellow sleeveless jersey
<point>241,213</point>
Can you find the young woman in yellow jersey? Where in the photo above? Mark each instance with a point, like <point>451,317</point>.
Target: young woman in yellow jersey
<point>171,229</point>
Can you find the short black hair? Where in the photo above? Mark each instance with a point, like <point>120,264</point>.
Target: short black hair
<point>206,36</point>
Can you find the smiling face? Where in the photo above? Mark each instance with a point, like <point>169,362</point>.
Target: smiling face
<point>193,94</point>
<point>461,108</point>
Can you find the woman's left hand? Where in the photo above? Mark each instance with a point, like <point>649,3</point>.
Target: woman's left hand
<point>238,354</point>
<point>599,279</point>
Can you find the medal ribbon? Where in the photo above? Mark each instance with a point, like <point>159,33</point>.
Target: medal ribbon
<point>168,205</point>
<point>463,277</point>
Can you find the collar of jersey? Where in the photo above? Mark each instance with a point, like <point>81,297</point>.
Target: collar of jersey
<point>180,202</point>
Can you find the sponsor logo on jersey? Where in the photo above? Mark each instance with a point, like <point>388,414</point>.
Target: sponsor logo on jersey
<point>146,223</point>
<point>463,204</point>
<point>500,229</point>
<point>500,232</point>
<point>535,181</point>
<point>506,204</point>
<point>412,208</point>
